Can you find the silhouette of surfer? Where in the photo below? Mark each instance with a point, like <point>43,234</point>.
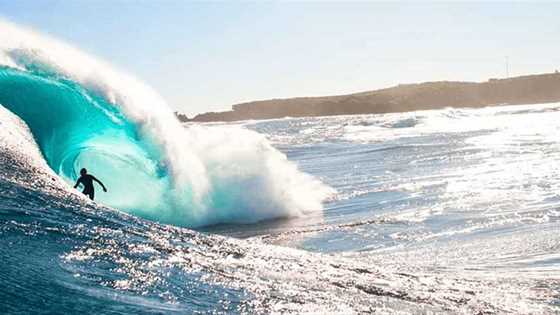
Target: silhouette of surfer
<point>87,180</point>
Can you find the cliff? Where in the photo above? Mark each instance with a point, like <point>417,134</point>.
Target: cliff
<point>532,89</point>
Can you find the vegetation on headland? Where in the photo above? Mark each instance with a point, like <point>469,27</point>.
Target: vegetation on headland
<point>531,89</point>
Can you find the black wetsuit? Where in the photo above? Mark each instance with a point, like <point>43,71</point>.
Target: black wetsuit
<point>87,181</point>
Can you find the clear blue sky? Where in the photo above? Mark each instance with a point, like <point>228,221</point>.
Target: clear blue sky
<point>204,56</point>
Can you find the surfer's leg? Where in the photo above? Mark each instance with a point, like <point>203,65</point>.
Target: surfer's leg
<point>89,194</point>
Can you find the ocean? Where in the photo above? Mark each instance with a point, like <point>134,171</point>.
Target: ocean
<point>445,211</point>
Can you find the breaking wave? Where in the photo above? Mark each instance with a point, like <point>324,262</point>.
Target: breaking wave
<point>84,113</point>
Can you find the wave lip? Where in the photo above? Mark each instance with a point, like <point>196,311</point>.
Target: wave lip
<point>84,113</point>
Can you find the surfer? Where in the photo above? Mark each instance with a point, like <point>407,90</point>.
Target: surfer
<point>87,180</point>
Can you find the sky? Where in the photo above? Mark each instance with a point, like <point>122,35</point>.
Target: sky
<point>207,56</point>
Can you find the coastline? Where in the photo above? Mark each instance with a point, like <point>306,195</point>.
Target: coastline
<point>529,89</point>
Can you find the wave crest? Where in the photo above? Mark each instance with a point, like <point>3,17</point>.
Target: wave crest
<point>84,113</point>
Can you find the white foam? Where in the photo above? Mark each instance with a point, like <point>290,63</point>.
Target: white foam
<point>200,159</point>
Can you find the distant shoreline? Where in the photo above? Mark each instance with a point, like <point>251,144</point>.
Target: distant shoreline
<point>530,89</point>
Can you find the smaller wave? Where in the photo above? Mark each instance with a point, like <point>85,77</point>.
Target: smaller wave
<point>531,109</point>
<point>454,113</point>
<point>274,238</point>
<point>403,123</point>
<point>389,121</point>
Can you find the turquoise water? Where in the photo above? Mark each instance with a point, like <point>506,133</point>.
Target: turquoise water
<point>75,128</point>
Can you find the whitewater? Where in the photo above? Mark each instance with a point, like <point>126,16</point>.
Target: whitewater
<point>83,113</point>
<point>445,211</point>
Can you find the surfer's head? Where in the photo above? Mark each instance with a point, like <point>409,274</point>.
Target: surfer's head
<point>83,171</point>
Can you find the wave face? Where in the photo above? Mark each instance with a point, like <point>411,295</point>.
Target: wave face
<point>83,113</point>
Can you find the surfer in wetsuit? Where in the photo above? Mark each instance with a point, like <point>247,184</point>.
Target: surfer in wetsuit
<point>87,180</point>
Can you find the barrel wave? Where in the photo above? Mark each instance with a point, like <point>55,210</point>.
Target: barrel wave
<point>84,113</point>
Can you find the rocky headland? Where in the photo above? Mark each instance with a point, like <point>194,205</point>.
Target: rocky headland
<point>530,89</point>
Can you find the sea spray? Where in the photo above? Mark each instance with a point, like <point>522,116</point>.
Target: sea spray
<point>84,113</point>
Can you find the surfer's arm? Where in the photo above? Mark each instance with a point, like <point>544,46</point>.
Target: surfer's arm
<point>78,182</point>
<point>100,183</point>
